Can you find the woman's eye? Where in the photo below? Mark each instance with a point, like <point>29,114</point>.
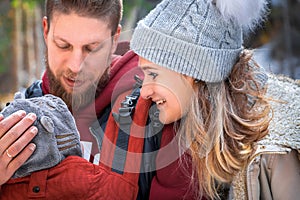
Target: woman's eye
<point>154,75</point>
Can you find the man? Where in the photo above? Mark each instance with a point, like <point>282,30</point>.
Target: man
<point>81,37</point>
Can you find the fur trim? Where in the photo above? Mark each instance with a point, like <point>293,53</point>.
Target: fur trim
<point>247,13</point>
<point>285,126</point>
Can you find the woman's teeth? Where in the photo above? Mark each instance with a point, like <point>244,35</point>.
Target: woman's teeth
<point>160,102</point>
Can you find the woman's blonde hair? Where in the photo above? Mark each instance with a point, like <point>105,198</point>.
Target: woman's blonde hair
<point>223,123</point>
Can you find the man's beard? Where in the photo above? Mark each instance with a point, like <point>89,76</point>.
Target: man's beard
<point>78,100</point>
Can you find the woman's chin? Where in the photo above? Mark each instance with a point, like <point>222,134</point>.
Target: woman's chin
<point>165,119</point>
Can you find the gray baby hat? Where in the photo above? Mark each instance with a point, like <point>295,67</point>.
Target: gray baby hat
<point>57,136</point>
<point>199,38</point>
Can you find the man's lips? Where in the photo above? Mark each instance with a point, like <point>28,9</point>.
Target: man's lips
<point>71,82</point>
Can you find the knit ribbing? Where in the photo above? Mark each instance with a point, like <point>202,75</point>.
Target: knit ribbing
<point>189,37</point>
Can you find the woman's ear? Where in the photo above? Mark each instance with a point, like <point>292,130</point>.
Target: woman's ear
<point>191,80</point>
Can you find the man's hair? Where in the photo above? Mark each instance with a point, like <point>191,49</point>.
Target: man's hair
<point>111,10</point>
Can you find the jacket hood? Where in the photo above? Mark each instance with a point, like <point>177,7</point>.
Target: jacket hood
<point>284,129</point>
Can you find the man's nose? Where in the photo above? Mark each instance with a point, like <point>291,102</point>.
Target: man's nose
<point>76,61</point>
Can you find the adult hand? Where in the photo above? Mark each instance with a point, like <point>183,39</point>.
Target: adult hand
<point>16,132</point>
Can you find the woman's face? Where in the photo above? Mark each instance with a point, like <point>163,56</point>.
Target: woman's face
<point>171,91</point>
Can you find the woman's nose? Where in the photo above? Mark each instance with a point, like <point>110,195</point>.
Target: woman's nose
<point>146,91</point>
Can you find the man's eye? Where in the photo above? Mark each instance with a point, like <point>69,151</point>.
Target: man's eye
<point>93,48</point>
<point>63,46</point>
<point>154,75</point>
<point>88,49</point>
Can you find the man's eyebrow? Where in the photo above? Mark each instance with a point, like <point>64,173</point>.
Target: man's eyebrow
<point>56,37</point>
<point>94,43</point>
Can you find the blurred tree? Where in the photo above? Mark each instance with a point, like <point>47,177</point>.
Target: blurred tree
<point>28,41</point>
<point>6,54</point>
<point>286,47</point>
<point>134,11</point>
<point>26,46</point>
<point>282,34</point>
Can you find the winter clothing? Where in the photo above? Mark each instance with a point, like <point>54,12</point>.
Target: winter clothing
<point>121,79</point>
<point>74,178</point>
<point>171,181</point>
<point>77,179</point>
<point>58,136</point>
<point>191,38</point>
<point>274,170</point>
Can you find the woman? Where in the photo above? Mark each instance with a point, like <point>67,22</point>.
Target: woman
<point>203,80</point>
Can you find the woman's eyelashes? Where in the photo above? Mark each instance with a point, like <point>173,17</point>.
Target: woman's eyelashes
<point>154,75</point>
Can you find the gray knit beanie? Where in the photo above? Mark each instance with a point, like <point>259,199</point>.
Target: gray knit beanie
<point>57,136</point>
<point>198,38</point>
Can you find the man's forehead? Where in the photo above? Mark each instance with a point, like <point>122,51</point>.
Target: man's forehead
<point>80,29</point>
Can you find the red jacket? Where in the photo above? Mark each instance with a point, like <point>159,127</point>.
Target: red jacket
<point>75,178</point>
<point>122,71</point>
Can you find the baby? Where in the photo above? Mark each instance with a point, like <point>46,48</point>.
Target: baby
<point>58,136</point>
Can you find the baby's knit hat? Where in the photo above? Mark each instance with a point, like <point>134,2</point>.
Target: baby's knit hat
<point>198,38</point>
<point>57,136</point>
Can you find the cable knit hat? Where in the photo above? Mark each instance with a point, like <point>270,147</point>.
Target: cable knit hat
<point>198,38</point>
